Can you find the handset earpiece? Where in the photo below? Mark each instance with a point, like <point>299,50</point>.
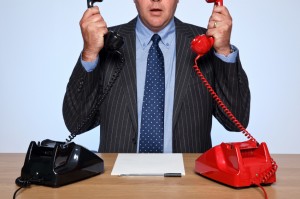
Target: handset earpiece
<point>216,2</point>
<point>90,3</point>
<point>112,40</point>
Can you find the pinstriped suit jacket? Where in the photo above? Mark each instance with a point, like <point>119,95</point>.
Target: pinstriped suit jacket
<point>193,105</point>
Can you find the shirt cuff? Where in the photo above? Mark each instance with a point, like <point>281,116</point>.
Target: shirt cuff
<point>231,58</point>
<point>89,66</point>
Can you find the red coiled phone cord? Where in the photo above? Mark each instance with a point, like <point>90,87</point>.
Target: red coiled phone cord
<point>221,104</point>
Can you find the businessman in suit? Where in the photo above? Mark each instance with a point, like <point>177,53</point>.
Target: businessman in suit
<point>188,106</point>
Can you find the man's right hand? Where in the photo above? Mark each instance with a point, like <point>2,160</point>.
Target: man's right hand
<point>93,28</point>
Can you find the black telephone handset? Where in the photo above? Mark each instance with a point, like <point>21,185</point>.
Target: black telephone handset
<point>112,40</point>
<point>112,43</point>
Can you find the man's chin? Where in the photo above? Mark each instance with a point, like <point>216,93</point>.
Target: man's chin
<point>156,25</point>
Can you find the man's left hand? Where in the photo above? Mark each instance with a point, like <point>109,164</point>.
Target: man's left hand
<point>219,27</point>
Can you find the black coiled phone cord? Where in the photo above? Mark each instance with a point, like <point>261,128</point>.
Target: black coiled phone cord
<point>100,97</point>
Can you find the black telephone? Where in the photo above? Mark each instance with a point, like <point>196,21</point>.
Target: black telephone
<point>112,40</point>
<point>52,163</point>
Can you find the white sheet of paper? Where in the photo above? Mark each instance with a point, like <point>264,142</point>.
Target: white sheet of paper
<point>148,164</point>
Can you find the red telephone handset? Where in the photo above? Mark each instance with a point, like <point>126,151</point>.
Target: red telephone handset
<point>201,44</point>
<point>239,164</point>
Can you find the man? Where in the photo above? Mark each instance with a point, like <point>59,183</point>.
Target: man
<point>188,106</point>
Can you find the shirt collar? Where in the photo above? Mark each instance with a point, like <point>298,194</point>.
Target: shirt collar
<point>144,34</point>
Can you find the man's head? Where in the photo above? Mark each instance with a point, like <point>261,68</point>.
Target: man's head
<point>156,14</point>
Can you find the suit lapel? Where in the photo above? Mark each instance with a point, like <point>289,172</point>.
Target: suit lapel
<point>184,65</point>
<point>129,78</point>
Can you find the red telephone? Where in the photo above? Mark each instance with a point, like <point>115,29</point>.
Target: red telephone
<point>238,164</point>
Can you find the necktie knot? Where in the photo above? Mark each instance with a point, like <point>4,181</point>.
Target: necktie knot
<point>155,38</point>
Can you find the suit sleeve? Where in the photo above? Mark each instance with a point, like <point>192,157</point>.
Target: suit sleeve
<point>80,109</point>
<point>231,85</point>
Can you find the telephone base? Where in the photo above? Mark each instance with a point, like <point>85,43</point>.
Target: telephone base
<point>56,164</point>
<point>238,165</point>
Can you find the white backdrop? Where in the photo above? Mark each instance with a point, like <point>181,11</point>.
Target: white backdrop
<point>40,42</point>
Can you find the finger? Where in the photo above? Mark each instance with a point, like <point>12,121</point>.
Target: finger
<point>217,17</point>
<point>213,24</point>
<point>103,31</point>
<point>89,12</point>
<point>222,10</point>
<point>218,28</point>
<point>94,19</point>
<point>211,32</point>
<point>220,14</point>
<point>101,28</point>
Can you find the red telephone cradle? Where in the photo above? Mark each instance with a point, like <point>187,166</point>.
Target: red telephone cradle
<point>237,164</point>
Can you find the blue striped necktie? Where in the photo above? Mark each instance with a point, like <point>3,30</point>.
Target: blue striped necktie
<point>152,124</point>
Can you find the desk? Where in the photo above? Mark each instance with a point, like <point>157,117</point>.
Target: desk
<point>189,186</point>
